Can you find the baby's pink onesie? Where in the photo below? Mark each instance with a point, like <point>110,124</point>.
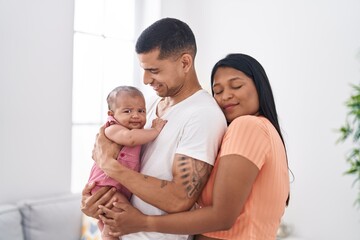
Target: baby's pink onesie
<point>128,156</point>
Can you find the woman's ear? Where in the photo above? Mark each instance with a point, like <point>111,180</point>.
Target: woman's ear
<point>187,62</point>
<point>110,113</point>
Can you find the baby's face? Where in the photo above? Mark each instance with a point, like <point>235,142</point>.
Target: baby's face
<point>130,111</point>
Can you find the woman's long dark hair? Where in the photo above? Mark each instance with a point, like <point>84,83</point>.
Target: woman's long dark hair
<point>253,69</point>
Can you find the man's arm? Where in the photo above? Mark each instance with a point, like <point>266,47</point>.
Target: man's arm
<point>179,194</point>
<point>234,180</point>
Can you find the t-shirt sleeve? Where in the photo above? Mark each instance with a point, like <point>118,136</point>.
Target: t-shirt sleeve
<point>247,136</point>
<point>202,135</point>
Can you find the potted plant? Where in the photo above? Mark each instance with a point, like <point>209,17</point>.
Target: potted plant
<point>351,131</point>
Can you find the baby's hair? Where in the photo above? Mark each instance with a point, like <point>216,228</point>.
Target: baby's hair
<point>130,90</point>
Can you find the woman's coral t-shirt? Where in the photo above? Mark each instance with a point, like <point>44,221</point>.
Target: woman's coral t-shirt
<point>256,139</point>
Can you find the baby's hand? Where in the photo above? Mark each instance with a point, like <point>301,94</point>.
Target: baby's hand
<point>158,124</point>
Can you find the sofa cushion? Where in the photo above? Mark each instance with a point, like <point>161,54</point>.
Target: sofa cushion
<point>10,223</point>
<point>90,230</point>
<point>55,218</point>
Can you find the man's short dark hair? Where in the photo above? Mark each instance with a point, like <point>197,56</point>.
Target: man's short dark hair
<point>171,36</point>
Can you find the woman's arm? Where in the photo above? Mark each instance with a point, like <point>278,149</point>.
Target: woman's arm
<point>133,137</point>
<point>232,187</point>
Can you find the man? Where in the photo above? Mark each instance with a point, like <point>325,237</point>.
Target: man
<point>176,166</point>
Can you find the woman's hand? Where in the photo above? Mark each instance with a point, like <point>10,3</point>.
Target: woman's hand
<point>104,150</point>
<point>125,219</point>
<point>90,203</point>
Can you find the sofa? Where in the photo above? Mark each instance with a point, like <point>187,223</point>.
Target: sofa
<point>53,218</point>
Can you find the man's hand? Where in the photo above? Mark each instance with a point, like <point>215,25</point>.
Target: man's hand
<point>125,219</point>
<point>90,203</point>
<point>104,149</point>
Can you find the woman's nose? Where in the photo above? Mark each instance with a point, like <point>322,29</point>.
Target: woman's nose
<point>227,95</point>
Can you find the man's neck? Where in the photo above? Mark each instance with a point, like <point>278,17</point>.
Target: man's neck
<point>167,102</point>
<point>185,93</point>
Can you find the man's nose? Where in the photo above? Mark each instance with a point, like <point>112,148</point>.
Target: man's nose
<point>147,79</point>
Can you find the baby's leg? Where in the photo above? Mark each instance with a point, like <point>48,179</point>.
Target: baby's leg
<point>105,229</point>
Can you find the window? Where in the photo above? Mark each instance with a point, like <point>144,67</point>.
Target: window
<point>103,59</point>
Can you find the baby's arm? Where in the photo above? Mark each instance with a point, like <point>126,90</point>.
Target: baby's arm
<point>132,137</point>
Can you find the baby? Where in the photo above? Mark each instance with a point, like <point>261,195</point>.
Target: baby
<point>126,119</point>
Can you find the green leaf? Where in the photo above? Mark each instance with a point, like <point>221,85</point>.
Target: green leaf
<point>351,130</point>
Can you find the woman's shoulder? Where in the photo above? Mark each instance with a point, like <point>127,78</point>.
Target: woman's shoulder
<point>253,125</point>
<point>250,120</point>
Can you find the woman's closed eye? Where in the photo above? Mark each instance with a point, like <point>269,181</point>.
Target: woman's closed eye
<point>217,90</point>
<point>237,86</point>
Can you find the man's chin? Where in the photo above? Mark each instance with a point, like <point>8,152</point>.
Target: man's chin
<point>160,94</point>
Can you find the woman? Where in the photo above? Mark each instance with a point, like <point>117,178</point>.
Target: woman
<point>248,189</point>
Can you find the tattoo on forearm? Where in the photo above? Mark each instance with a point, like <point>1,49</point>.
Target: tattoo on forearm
<point>193,174</point>
<point>163,183</point>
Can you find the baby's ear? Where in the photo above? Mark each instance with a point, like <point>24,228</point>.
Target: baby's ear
<point>110,113</point>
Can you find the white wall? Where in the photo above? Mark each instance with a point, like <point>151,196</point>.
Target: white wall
<point>309,50</point>
<point>35,98</point>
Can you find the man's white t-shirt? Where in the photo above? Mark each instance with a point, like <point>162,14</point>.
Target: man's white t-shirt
<point>195,128</point>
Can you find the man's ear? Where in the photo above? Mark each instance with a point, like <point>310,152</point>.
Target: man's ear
<point>110,113</point>
<point>187,62</point>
